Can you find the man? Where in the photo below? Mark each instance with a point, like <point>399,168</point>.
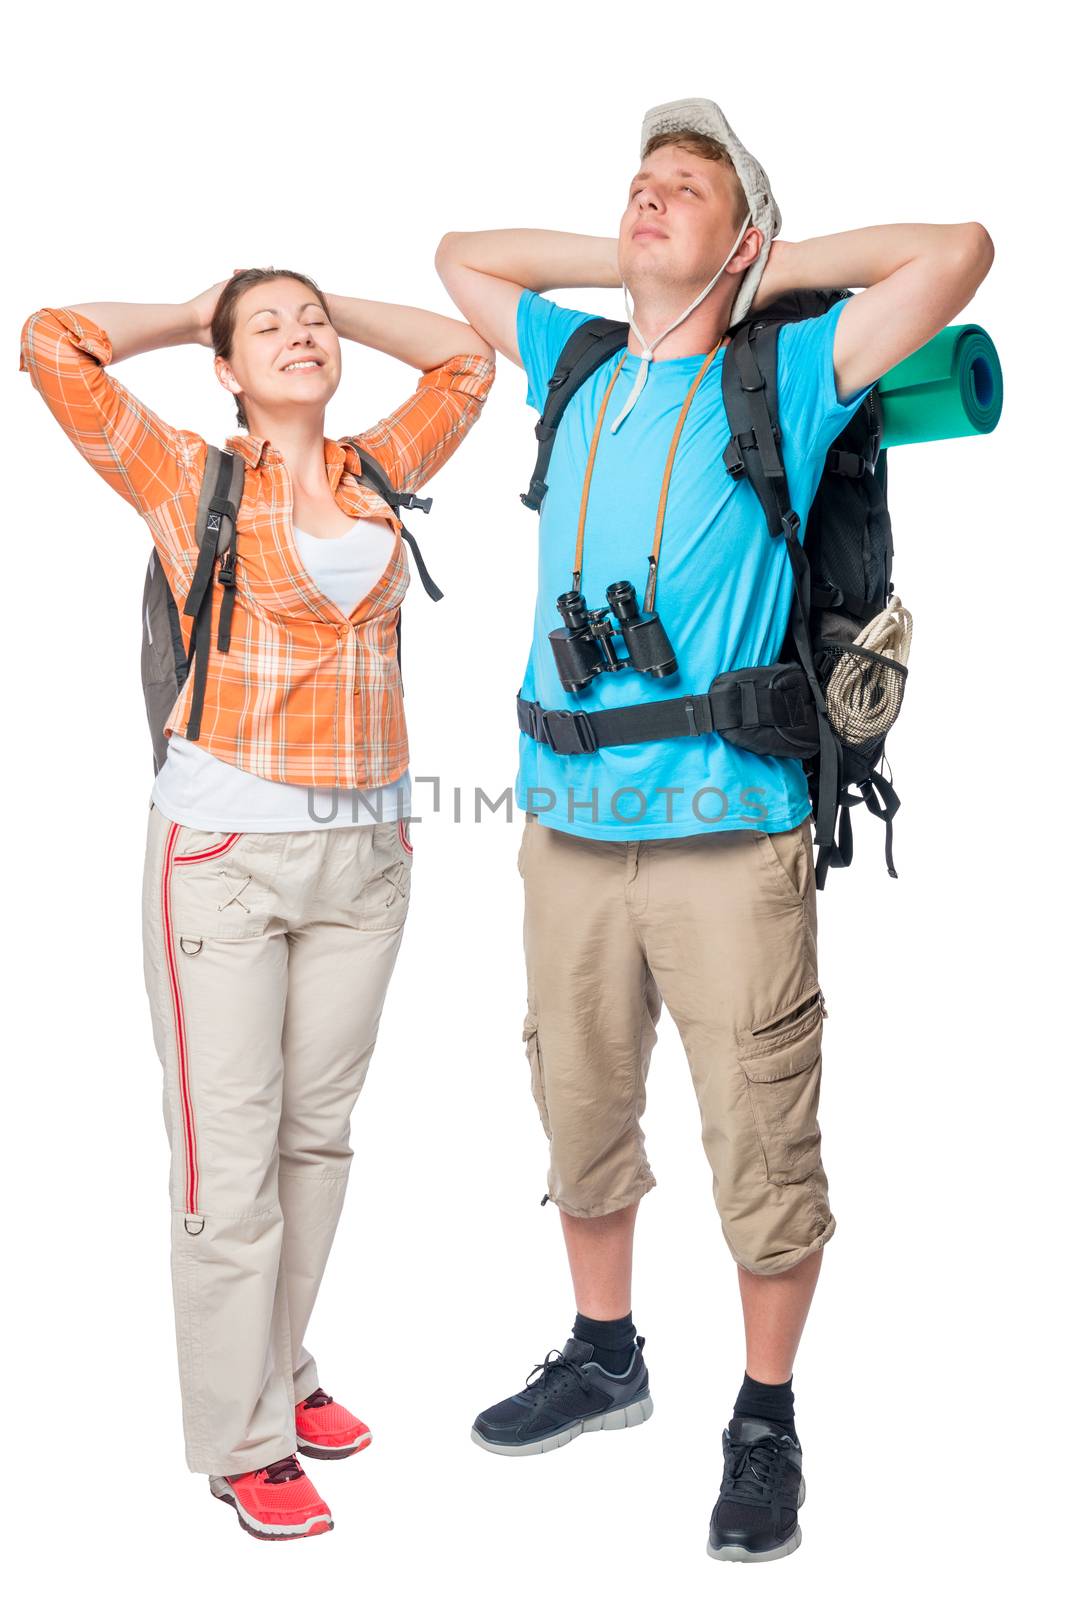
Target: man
<point>681,868</point>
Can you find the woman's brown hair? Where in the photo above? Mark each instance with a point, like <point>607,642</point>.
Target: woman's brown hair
<point>225,316</point>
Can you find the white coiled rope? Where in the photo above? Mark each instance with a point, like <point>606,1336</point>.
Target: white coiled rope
<point>864,696</point>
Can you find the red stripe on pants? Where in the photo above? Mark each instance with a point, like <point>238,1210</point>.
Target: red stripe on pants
<point>188,1124</point>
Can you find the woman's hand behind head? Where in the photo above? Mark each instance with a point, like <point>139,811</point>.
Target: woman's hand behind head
<point>203,309</point>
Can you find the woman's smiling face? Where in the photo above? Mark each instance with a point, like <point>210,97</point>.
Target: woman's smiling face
<point>285,351</point>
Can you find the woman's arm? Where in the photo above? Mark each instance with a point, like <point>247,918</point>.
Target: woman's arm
<point>135,329</point>
<point>419,338</point>
<point>485,273</point>
<point>457,372</point>
<point>66,350</point>
<point>414,441</point>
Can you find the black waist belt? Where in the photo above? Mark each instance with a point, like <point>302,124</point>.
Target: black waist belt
<point>768,710</point>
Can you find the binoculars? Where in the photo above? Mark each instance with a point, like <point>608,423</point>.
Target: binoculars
<point>586,646</point>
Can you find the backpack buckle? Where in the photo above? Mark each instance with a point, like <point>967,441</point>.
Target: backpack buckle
<point>567,733</point>
<point>534,496</point>
<point>732,459</point>
<point>412,502</point>
<point>847,464</point>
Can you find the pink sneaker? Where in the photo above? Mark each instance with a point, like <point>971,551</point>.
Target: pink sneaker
<point>275,1502</point>
<point>325,1429</point>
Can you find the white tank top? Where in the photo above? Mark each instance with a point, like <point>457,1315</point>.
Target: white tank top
<point>196,789</point>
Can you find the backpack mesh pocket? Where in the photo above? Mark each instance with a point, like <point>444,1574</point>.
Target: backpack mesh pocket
<point>864,682</point>
<point>864,693</point>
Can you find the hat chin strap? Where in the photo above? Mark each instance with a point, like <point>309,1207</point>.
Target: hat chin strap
<point>647,348</point>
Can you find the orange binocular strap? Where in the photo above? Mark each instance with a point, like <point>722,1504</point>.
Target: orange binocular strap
<point>654,559</point>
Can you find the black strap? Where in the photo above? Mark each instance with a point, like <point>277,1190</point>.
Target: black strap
<point>219,506</point>
<point>737,702</point>
<point>830,749</point>
<point>749,399</point>
<point>822,596</point>
<point>588,348</point>
<point>178,650</point>
<point>840,852</point>
<point>198,603</point>
<point>374,473</point>
<point>228,580</point>
<point>424,577</point>
<point>228,565</point>
<point>884,789</point>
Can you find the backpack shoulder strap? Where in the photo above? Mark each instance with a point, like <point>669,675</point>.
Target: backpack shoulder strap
<point>589,347</point>
<point>374,474</point>
<point>220,496</point>
<point>751,400</point>
<point>228,552</point>
<point>216,531</point>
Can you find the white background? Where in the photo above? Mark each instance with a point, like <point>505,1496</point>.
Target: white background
<point>156,149</point>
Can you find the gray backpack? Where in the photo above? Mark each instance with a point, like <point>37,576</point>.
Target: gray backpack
<point>164,662</point>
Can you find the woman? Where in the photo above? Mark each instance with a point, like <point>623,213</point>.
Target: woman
<point>269,936</point>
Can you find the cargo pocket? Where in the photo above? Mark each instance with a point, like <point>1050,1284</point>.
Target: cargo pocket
<point>221,883</point>
<point>383,866</point>
<point>399,873</point>
<point>781,1060</point>
<point>537,1072</point>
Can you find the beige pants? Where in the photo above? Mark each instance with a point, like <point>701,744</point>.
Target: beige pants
<point>266,958</point>
<point>723,928</point>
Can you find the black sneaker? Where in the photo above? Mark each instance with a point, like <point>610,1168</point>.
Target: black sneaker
<point>756,1514</point>
<point>566,1395</point>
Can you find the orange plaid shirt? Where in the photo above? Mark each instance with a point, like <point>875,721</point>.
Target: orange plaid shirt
<point>305,694</point>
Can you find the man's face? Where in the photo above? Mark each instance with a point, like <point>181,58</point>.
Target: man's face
<point>678,225</point>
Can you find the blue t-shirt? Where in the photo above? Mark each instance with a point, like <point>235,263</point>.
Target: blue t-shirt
<point>723,589</point>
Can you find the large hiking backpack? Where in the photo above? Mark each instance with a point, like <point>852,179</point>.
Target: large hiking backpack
<point>841,577</point>
<point>165,665</point>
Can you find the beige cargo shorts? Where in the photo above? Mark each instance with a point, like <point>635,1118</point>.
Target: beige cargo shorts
<point>720,927</point>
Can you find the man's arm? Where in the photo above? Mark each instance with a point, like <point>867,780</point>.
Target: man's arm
<point>916,278</point>
<point>485,273</point>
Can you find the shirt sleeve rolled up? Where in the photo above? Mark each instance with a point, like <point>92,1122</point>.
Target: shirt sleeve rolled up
<point>413,442</point>
<point>142,457</point>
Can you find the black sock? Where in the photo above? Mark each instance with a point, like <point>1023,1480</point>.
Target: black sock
<point>771,1402</point>
<point>613,1342</point>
